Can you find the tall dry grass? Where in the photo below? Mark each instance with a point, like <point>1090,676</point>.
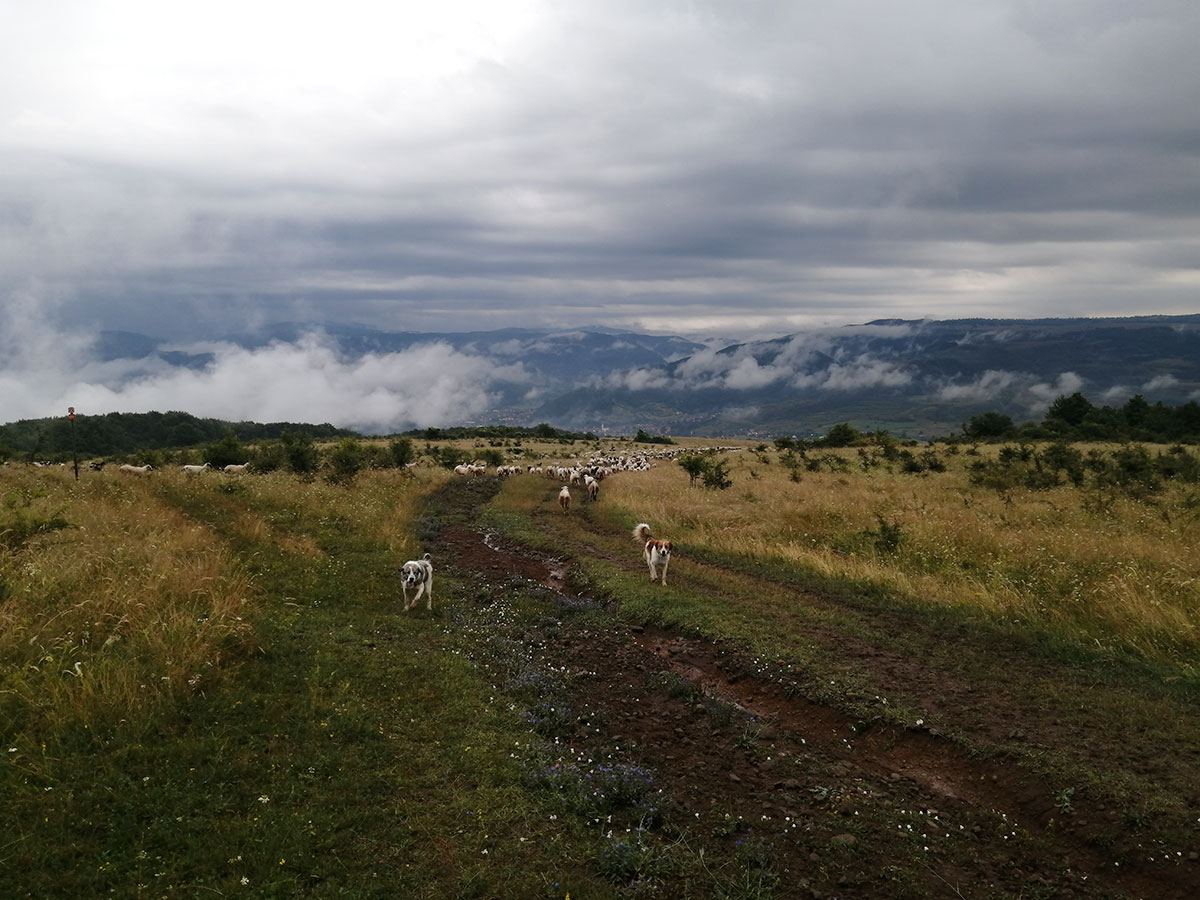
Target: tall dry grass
<point>1123,573</point>
<point>281,509</point>
<point>125,609</point>
<point>115,605</point>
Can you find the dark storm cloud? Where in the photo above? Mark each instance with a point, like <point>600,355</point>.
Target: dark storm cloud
<point>701,167</point>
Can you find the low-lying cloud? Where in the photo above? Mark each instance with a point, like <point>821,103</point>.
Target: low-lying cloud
<point>803,361</point>
<point>1031,392</point>
<point>42,372</point>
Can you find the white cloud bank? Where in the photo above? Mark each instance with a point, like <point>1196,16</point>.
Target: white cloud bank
<point>42,372</point>
<point>804,361</point>
<point>1030,391</point>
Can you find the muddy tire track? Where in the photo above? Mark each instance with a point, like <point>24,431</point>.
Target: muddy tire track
<point>744,754</point>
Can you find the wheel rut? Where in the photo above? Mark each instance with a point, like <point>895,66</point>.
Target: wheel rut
<point>740,751</point>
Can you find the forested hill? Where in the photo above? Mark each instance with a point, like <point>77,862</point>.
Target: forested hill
<point>126,432</point>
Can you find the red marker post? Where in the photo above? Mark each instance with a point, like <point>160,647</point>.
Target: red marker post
<point>74,454</point>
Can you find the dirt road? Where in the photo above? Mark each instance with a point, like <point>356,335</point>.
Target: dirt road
<point>837,807</point>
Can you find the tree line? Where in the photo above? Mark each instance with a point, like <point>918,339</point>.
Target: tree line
<point>114,434</point>
<point>1075,418</point>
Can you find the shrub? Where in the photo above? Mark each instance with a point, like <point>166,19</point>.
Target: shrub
<point>842,435</point>
<point>707,468</point>
<point>448,457</point>
<point>989,425</point>
<point>225,452</point>
<point>402,452</point>
<point>300,452</point>
<point>1062,457</point>
<point>643,438</point>
<point>345,461</point>
<point>716,474</point>
<point>889,537</point>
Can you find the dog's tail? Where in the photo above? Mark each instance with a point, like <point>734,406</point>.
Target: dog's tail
<point>427,557</point>
<point>641,532</point>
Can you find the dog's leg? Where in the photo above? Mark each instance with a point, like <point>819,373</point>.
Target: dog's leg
<point>429,594</point>
<point>664,575</point>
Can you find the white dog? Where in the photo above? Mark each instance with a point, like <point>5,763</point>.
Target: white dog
<point>418,574</point>
<point>655,552</point>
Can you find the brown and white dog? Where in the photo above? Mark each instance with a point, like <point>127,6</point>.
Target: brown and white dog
<point>417,574</point>
<point>656,553</point>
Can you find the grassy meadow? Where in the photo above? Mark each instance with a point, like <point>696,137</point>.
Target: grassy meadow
<point>1104,568</point>
<point>208,688</point>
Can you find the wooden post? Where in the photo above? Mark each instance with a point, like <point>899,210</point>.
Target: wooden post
<point>74,452</point>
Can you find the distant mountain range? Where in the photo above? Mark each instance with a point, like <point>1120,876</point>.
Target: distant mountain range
<point>913,377</point>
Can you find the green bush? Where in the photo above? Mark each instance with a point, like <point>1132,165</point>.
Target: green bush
<point>706,468</point>
<point>345,461</point>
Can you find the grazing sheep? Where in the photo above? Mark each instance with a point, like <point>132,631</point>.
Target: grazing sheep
<point>237,469</point>
<point>564,499</point>
<point>127,469</point>
<point>193,470</point>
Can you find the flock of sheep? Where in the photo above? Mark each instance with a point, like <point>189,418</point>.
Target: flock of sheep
<point>128,469</point>
<point>584,474</point>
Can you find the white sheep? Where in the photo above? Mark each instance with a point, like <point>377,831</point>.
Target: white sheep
<point>193,470</point>
<point>237,469</point>
<point>134,470</point>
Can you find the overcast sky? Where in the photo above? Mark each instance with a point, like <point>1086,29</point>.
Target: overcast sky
<point>721,168</point>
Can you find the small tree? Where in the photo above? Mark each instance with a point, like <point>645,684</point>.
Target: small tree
<point>345,461</point>
<point>694,464</point>
<point>225,452</point>
<point>842,435</point>
<point>716,474</point>
<point>888,444</point>
<point>300,452</point>
<point>1072,410</point>
<point>707,468</point>
<point>989,425</point>
<point>643,438</point>
<point>268,456</point>
<point>402,452</point>
<point>448,457</point>
<point>493,458</point>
